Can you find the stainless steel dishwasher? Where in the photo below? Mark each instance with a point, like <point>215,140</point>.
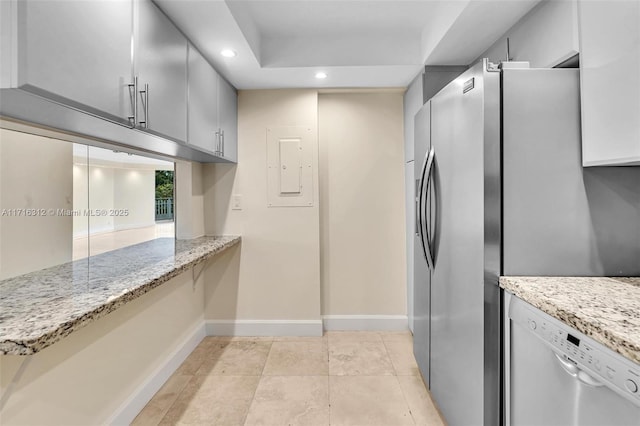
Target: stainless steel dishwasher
<point>556,375</point>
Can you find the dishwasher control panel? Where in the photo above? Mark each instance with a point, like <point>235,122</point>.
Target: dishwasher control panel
<point>580,353</point>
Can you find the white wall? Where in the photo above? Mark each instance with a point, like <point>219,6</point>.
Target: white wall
<point>546,36</point>
<point>134,190</point>
<point>80,199</point>
<point>112,188</point>
<point>275,273</point>
<point>35,173</point>
<point>362,214</point>
<point>189,193</point>
<point>197,200</point>
<point>101,190</point>
<point>86,377</point>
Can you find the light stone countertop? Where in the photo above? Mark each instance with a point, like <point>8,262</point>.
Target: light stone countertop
<point>606,309</point>
<point>39,308</point>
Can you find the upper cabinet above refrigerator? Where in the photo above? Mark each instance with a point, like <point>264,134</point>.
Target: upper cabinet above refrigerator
<point>610,82</point>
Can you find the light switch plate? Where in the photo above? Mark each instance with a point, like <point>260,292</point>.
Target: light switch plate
<point>236,202</point>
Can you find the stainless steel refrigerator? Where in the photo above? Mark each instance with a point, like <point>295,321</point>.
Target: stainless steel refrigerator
<point>500,190</point>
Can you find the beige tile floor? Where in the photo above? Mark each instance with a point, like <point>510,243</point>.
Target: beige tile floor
<point>342,378</point>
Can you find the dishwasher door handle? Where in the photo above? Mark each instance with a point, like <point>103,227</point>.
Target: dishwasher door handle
<point>567,366</point>
<point>588,379</point>
<point>576,372</point>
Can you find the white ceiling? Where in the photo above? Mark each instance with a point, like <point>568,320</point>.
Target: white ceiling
<point>358,43</point>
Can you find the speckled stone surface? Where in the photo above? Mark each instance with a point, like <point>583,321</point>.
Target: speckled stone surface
<point>42,307</point>
<point>606,309</point>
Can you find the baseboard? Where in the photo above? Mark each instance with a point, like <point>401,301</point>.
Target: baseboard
<point>365,322</point>
<point>130,408</point>
<point>264,327</point>
<point>128,226</point>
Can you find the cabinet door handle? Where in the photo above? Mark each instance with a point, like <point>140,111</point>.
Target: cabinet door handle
<point>216,148</point>
<point>222,136</point>
<point>133,97</point>
<point>144,96</point>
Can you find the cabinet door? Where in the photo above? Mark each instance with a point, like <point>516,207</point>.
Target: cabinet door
<point>203,103</point>
<point>610,82</point>
<point>78,53</point>
<point>228,117</point>
<point>161,65</point>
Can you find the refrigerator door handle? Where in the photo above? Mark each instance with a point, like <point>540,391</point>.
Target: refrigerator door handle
<point>418,220</point>
<point>419,209</point>
<point>423,229</point>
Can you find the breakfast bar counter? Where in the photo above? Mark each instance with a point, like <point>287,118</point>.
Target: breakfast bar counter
<point>40,308</point>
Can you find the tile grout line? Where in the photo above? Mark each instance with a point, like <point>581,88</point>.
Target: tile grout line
<point>386,349</point>
<point>165,411</point>
<point>253,397</point>
<point>176,398</point>
<point>193,377</point>
<point>404,397</point>
<point>175,401</point>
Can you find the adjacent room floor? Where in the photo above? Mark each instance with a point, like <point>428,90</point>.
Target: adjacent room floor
<point>342,378</point>
<point>107,241</point>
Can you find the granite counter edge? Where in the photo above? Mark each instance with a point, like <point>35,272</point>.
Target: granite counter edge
<point>32,346</point>
<point>572,319</point>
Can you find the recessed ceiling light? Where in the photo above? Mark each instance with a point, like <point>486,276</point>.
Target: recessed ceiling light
<point>321,74</point>
<point>229,53</point>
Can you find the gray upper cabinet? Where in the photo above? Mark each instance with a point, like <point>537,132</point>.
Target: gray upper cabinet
<point>213,110</point>
<point>228,119</point>
<point>119,60</point>
<point>75,52</point>
<point>161,69</point>
<point>203,103</point>
<point>610,82</point>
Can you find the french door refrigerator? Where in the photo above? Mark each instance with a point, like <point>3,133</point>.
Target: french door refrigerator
<point>500,190</point>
